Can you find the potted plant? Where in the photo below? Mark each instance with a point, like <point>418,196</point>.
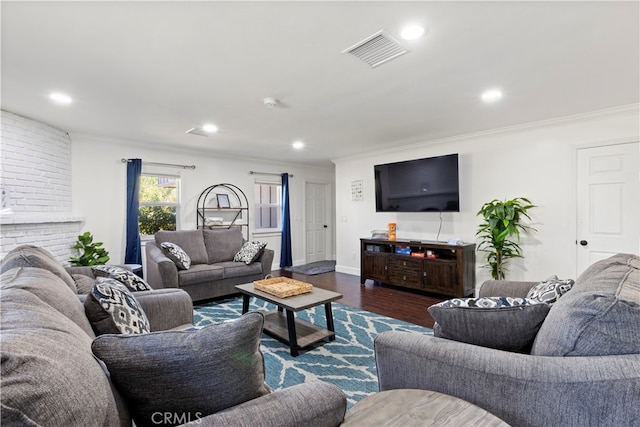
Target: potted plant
<point>499,233</point>
<point>91,253</point>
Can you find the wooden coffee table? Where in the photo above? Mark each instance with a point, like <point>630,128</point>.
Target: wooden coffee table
<point>285,327</point>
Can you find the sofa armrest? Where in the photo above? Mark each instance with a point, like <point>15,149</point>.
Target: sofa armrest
<point>85,271</point>
<point>505,288</point>
<point>308,404</point>
<point>166,308</point>
<point>161,271</point>
<point>266,259</point>
<point>518,388</point>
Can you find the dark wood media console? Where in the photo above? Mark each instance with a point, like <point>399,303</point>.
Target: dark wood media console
<point>450,271</point>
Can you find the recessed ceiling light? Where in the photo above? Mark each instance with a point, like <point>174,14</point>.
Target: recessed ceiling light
<point>210,128</point>
<point>412,32</point>
<point>298,145</point>
<point>491,95</point>
<point>60,98</point>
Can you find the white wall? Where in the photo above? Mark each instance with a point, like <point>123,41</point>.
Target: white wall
<point>99,187</point>
<point>536,161</point>
<point>35,170</point>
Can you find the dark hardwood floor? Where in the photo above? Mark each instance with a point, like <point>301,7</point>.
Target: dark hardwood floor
<point>399,303</point>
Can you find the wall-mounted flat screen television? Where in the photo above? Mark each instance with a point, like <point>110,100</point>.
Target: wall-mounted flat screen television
<point>423,185</point>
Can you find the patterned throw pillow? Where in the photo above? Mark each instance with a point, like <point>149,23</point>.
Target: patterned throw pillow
<point>548,291</point>
<point>112,309</point>
<point>502,323</point>
<point>176,254</point>
<point>249,252</point>
<point>128,278</point>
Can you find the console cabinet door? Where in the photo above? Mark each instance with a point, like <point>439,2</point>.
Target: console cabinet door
<point>374,266</point>
<point>441,276</point>
<point>406,271</point>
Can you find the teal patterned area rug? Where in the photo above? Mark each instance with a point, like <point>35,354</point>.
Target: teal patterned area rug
<point>348,362</point>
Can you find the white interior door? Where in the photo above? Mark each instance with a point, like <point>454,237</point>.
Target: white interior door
<point>316,222</point>
<point>608,202</point>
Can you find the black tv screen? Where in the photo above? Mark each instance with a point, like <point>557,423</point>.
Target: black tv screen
<point>422,185</point>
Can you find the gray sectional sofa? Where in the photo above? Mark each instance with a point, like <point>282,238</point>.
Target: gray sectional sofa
<point>582,370</point>
<point>212,273</point>
<point>56,372</point>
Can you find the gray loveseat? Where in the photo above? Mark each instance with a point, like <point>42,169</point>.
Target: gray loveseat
<point>51,375</point>
<point>583,368</point>
<point>212,273</point>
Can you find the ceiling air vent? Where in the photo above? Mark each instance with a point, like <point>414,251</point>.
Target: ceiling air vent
<point>377,49</point>
<point>197,131</point>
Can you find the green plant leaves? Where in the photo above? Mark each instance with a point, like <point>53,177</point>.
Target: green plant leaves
<point>500,232</point>
<point>90,253</point>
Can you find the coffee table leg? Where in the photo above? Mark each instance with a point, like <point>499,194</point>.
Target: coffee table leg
<point>293,338</point>
<point>328,313</point>
<point>245,303</point>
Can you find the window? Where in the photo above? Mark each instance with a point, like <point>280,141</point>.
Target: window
<point>268,206</point>
<point>159,203</point>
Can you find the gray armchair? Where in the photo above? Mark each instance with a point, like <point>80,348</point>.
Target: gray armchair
<point>583,370</point>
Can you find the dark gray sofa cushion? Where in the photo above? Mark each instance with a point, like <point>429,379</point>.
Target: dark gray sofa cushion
<point>49,375</point>
<point>502,323</point>
<point>239,269</point>
<point>191,241</point>
<point>200,273</point>
<point>32,256</point>
<point>599,316</point>
<point>223,244</point>
<point>193,373</point>
<point>51,290</point>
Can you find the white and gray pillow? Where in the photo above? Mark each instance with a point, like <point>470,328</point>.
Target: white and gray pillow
<point>112,309</point>
<point>176,254</point>
<point>128,278</point>
<point>502,323</point>
<point>549,290</point>
<point>249,252</point>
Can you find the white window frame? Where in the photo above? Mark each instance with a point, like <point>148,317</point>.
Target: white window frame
<point>177,204</point>
<point>278,206</point>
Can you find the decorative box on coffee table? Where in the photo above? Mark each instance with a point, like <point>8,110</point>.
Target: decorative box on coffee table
<point>284,326</point>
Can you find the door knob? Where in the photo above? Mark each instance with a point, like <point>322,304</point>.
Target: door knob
<point>325,226</point>
<point>584,242</point>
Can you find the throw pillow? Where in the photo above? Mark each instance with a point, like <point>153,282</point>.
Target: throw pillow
<point>112,309</point>
<point>502,323</point>
<point>249,252</point>
<point>191,373</point>
<point>177,255</point>
<point>127,277</point>
<point>549,290</point>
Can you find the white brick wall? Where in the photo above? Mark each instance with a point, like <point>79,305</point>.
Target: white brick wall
<point>36,166</point>
<point>35,176</point>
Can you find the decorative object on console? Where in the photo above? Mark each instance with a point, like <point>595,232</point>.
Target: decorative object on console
<point>176,254</point>
<point>132,281</point>
<point>91,253</point>
<point>500,230</point>
<point>392,230</point>
<point>380,234</point>
<point>503,323</point>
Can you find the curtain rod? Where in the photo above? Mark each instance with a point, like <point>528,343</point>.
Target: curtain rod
<point>268,173</point>
<point>163,164</point>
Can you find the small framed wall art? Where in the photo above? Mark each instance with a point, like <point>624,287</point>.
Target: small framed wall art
<point>223,200</point>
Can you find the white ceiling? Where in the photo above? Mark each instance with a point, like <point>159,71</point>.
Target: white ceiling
<point>146,72</point>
